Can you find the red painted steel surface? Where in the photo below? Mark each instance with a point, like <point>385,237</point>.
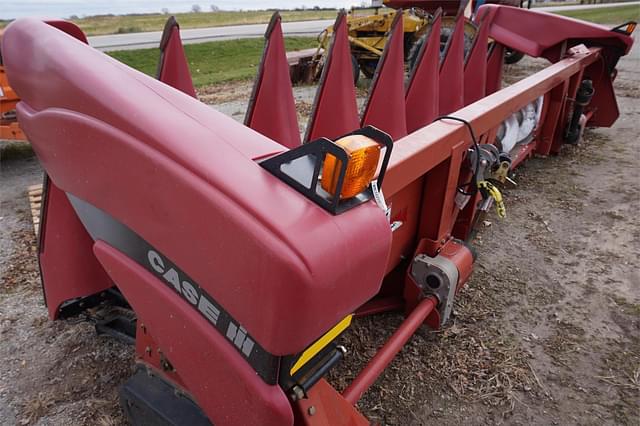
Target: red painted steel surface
<point>422,97</point>
<point>475,67</point>
<point>452,71</point>
<point>453,250</point>
<point>541,34</point>
<point>153,357</point>
<point>379,305</point>
<point>335,111</point>
<point>265,253</point>
<point>173,68</point>
<point>70,28</point>
<point>385,354</point>
<point>385,108</point>
<point>69,269</point>
<point>405,207</point>
<point>324,406</point>
<point>494,68</point>
<point>272,109</point>
<point>210,369</point>
<point>604,105</point>
<point>554,102</point>
<point>462,257</point>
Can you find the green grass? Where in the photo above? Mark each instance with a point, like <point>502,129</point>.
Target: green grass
<point>606,15</point>
<point>213,62</point>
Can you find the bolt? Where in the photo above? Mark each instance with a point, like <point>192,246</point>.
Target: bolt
<point>297,393</point>
<point>148,350</point>
<point>311,410</point>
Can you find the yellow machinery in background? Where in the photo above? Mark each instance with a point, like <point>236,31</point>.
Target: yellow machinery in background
<point>368,35</point>
<point>368,32</point>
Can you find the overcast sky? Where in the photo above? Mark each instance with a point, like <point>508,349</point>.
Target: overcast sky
<point>10,9</point>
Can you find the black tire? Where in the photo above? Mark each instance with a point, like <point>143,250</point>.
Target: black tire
<point>356,69</point>
<point>445,33</point>
<point>415,50</point>
<point>512,56</point>
<point>368,67</point>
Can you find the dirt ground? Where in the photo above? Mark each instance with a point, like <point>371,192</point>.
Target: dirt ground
<point>547,331</point>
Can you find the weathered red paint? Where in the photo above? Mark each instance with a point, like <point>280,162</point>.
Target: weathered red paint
<point>385,108</point>
<point>272,109</point>
<point>324,406</point>
<point>452,71</point>
<point>211,376</point>
<point>335,111</point>
<point>131,155</point>
<point>475,67</point>
<point>494,68</point>
<point>68,269</point>
<point>173,68</point>
<point>422,97</point>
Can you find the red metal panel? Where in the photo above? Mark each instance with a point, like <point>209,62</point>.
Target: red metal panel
<point>547,35</point>
<point>422,97</point>
<point>324,406</point>
<point>70,28</point>
<point>405,208</point>
<point>272,108</point>
<point>227,390</point>
<point>255,245</point>
<point>68,67</point>
<point>385,107</point>
<point>68,267</point>
<point>555,102</point>
<point>335,111</point>
<point>173,68</point>
<point>604,105</point>
<point>452,71</point>
<point>475,67</point>
<point>495,63</point>
<point>438,202</point>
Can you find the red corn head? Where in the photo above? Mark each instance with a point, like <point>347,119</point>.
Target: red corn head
<point>422,97</point>
<point>335,111</point>
<point>272,109</point>
<point>173,68</point>
<point>386,107</point>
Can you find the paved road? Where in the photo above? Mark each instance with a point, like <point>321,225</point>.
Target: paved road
<point>302,28</point>
<point>199,35</point>
<point>586,6</point>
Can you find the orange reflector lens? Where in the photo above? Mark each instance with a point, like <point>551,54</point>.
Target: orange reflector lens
<point>363,154</point>
<point>631,27</point>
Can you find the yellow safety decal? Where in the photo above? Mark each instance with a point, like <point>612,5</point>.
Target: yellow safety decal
<point>317,346</point>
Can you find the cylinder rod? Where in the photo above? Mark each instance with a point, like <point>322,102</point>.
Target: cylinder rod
<point>387,352</point>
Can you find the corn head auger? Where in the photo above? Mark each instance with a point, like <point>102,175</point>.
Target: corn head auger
<point>244,253</point>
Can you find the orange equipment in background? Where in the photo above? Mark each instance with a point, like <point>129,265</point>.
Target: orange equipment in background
<point>9,128</point>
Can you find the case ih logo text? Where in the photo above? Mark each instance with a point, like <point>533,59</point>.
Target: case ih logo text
<point>196,297</point>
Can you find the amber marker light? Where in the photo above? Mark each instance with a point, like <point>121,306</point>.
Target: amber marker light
<point>363,154</point>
